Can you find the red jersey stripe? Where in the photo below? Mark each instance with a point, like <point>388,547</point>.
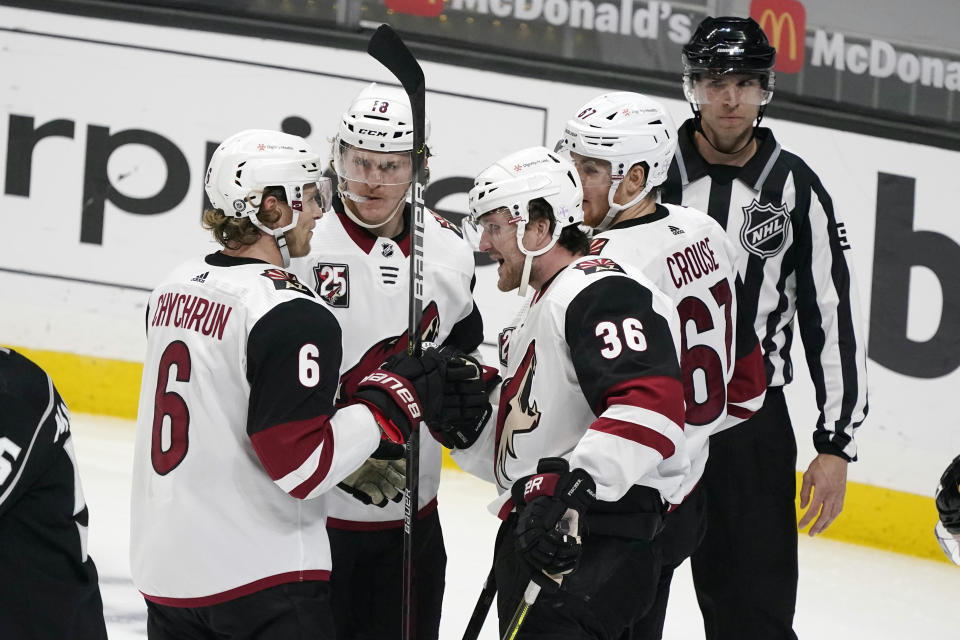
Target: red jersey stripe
<point>636,433</point>
<point>661,394</point>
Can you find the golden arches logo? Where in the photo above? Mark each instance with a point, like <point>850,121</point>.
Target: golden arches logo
<point>784,22</point>
<point>772,24</point>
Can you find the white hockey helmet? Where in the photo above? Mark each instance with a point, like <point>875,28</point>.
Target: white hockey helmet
<point>248,162</point>
<point>525,175</point>
<point>625,129</point>
<point>374,144</point>
<point>380,119</point>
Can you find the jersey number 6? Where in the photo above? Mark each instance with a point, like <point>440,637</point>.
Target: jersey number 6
<point>170,404</point>
<point>703,357</point>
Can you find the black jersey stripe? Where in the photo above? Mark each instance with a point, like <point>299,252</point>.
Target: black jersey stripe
<point>671,191</point>
<point>773,183</point>
<point>719,205</point>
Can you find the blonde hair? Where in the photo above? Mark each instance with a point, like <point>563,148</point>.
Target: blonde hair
<point>234,233</point>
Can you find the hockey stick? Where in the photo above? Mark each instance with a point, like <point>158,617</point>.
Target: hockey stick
<point>387,47</point>
<point>529,597</point>
<point>479,615</point>
<point>569,525</point>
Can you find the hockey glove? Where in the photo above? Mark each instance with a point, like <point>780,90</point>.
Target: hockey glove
<point>377,481</point>
<point>544,538</point>
<point>395,407</point>
<point>948,497</point>
<point>466,406</point>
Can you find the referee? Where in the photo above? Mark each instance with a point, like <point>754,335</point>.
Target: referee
<point>792,263</point>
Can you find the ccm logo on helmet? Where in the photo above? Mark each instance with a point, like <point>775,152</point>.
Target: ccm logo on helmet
<point>401,390</point>
<point>371,132</point>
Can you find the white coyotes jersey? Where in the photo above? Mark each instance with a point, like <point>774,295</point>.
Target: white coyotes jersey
<point>690,258</point>
<point>236,429</point>
<point>592,376</point>
<point>364,280</point>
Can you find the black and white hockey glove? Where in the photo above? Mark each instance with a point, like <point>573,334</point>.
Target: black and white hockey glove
<point>377,481</point>
<point>948,497</point>
<point>466,404</point>
<point>545,537</point>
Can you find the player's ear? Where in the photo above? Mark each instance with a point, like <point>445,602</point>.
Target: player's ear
<point>637,177</point>
<point>271,211</point>
<point>542,227</point>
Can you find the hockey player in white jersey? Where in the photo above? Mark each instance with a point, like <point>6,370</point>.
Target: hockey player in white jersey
<point>590,414</point>
<point>622,144</point>
<point>359,267</point>
<point>238,440</point>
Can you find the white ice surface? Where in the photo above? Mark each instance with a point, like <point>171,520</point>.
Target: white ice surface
<point>846,592</point>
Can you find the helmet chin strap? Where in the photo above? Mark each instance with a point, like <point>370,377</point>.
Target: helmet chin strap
<point>530,254</point>
<point>284,250</point>
<point>279,235</point>
<point>346,195</point>
<point>525,276</point>
<point>615,208</point>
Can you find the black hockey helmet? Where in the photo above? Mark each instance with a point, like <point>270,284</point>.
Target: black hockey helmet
<point>729,45</point>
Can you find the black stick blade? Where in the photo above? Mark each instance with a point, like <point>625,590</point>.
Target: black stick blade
<point>387,47</point>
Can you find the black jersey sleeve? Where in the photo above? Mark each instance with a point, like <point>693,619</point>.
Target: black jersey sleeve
<point>467,334</point>
<point>293,366</point>
<point>625,358</point>
<point>617,339</point>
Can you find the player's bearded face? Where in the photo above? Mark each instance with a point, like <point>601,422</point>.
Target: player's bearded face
<point>381,181</point>
<point>596,178</point>
<point>499,240</point>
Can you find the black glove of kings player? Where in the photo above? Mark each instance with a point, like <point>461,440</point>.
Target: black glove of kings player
<point>542,501</point>
<point>466,405</point>
<point>948,497</point>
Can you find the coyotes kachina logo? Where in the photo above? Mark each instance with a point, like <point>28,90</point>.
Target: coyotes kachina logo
<point>446,224</point>
<point>597,245</point>
<point>284,281</point>
<point>518,413</point>
<point>598,264</point>
<point>381,351</point>
<point>765,228</point>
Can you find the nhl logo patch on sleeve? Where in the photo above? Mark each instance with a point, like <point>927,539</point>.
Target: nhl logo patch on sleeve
<point>765,227</point>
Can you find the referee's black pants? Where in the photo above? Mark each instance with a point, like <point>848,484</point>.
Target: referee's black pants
<point>745,570</point>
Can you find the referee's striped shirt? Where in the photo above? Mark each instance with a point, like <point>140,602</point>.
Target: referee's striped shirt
<point>792,263</point>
